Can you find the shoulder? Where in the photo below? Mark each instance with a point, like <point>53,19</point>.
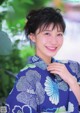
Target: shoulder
<point>69,62</point>
<point>75,68</point>
<point>28,76</point>
<point>28,68</point>
<point>74,65</point>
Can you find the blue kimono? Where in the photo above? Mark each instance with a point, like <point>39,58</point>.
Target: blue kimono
<point>36,90</point>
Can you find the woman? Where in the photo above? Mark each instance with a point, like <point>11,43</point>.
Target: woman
<point>46,84</point>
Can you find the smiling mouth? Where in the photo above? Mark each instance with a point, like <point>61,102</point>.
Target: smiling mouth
<point>51,48</point>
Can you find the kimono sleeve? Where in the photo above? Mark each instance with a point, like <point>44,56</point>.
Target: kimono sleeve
<point>75,67</point>
<point>78,73</point>
<point>23,98</point>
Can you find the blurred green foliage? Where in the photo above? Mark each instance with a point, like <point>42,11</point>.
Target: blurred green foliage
<point>10,65</point>
<point>16,11</point>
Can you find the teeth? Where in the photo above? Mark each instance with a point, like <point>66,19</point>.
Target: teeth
<point>51,47</point>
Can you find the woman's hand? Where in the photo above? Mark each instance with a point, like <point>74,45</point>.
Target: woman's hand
<point>61,70</point>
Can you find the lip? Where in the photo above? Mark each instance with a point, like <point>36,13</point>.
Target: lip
<point>51,48</point>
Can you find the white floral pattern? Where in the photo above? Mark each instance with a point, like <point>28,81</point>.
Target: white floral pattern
<point>31,90</point>
<point>70,107</point>
<point>19,109</point>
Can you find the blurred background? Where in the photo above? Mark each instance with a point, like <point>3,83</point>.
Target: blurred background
<point>15,49</point>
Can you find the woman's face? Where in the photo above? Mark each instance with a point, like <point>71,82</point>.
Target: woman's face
<point>47,41</point>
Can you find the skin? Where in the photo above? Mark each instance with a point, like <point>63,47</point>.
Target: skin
<point>48,42</point>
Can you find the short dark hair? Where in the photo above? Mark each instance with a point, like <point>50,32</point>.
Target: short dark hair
<point>43,16</point>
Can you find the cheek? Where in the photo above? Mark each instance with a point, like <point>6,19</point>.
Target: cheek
<point>43,40</point>
<point>60,41</point>
<point>40,42</point>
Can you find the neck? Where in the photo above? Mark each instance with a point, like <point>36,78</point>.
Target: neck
<point>46,59</point>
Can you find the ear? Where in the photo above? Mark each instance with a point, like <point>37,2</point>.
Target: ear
<point>32,37</point>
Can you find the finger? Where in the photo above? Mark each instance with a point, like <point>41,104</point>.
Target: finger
<point>55,67</point>
<point>55,72</point>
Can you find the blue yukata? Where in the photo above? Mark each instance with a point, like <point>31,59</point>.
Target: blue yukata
<point>36,90</point>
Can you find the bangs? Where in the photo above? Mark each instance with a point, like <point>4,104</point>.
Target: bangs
<point>45,26</point>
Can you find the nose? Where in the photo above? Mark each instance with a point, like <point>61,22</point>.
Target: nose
<point>53,40</point>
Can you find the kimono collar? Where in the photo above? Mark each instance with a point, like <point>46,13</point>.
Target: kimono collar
<point>38,62</point>
<point>41,64</point>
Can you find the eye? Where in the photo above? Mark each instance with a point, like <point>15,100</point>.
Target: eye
<point>60,35</point>
<point>47,33</point>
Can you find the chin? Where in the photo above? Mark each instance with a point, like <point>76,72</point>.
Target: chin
<point>51,55</point>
